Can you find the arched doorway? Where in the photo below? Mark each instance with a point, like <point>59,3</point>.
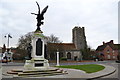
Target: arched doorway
<point>68,55</point>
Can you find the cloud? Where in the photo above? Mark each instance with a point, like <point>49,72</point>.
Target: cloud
<point>99,17</point>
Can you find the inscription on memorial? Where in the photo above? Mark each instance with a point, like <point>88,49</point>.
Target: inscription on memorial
<point>39,47</point>
<point>39,64</point>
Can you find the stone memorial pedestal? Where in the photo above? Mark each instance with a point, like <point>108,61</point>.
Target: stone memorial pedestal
<point>37,66</point>
<point>38,61</point>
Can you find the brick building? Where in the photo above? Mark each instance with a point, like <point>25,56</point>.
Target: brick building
<point>108,50</point>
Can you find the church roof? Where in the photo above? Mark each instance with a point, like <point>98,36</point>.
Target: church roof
<point>63,46</point>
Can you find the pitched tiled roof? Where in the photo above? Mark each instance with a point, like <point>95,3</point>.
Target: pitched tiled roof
<point>64,46</point>
<point>117,46</point>
<point>100,48</point>
<point>113,46</point>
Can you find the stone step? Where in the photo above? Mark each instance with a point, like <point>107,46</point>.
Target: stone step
<point>16,70</point>
<point>27,71</point>
<point>45,72</point>
<point>39,74</point>
<point>34,73</point>
<point>11,72</point>
<point>50,72</point>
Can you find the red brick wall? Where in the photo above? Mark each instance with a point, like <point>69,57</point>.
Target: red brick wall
<point>109,51</point>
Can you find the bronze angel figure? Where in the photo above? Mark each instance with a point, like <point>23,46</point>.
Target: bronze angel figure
<point>40,16</point>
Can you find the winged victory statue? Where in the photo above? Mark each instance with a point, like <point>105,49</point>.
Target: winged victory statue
<point>40,16</point>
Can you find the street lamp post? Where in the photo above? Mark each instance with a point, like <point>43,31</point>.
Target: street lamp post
<point>8,36</point>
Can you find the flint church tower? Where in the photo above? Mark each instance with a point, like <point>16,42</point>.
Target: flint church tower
<point>79,38</point>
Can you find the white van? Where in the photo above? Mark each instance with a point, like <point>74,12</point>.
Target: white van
<point>6,57</point>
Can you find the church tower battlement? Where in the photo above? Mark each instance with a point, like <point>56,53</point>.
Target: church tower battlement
<point>79,38</point>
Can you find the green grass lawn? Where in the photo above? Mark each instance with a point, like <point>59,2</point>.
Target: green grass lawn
<point>88,68</point>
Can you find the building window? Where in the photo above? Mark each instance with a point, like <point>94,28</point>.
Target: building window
<point>114,57</point>
<point>61,54</point>
<point>68,55</point>
<point>108,51</point>
<point>113,52</point>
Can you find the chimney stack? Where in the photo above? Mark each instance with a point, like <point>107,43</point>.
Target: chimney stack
<point>103,42</point>
<point>111,41</point>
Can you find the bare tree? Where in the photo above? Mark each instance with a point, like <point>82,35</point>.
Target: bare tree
<point>21,51</point>
<point>53,39</point>
<point>52,46</point>
<point>24,41</point>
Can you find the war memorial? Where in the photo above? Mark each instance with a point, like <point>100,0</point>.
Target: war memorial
<point>36,64</point>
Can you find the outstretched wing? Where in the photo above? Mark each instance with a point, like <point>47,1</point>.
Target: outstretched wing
<point>38,7</point>
<point>34,13</point>
<point>44,10</point>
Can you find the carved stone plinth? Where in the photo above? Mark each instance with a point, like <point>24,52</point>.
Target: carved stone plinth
<point>38,60</point>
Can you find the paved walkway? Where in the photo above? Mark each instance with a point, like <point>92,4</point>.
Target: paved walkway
<point>72,73</point>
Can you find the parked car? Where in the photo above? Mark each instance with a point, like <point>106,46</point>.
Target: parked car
<point>118,61</point>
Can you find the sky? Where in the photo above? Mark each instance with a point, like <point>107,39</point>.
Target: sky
<point>99,17</point>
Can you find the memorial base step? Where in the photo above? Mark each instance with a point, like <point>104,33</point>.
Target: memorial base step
<point>37,73</point>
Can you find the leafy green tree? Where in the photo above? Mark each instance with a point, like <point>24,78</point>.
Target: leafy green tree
<point>86,53</point>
